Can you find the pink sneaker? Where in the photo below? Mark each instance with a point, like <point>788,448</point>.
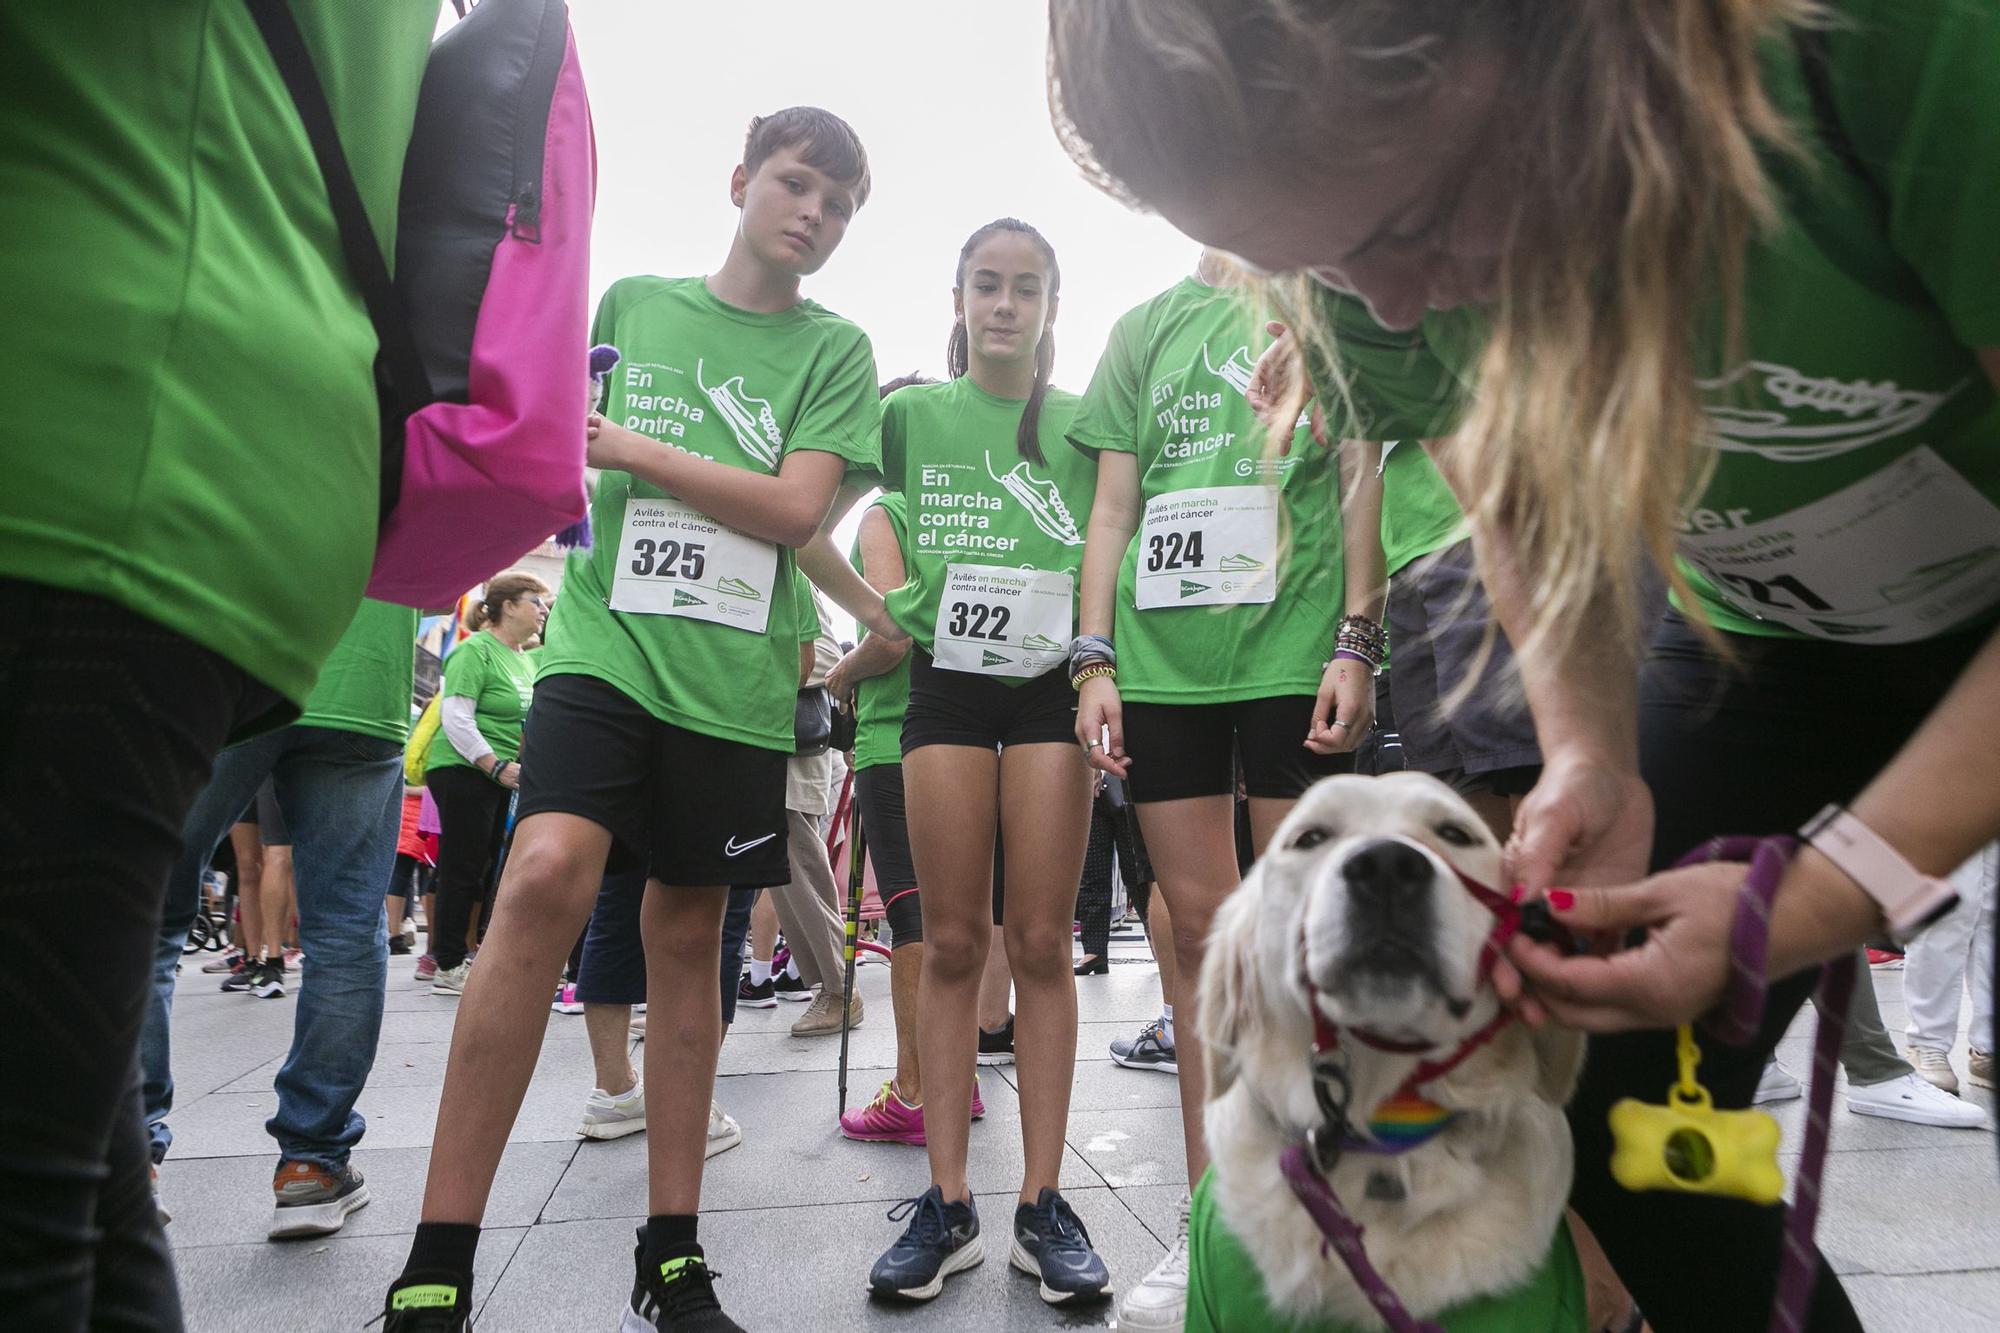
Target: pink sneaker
<point>427,967</point>
<point>887,1119</point>
<point>566,1001</point>
<point>978,1106</point>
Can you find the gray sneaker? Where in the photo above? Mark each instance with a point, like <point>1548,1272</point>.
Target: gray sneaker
<point>1935,1067</point>
<point>1980,1065</point>
<point>1149,1050</point>
<point>451,980</point>
<point>609,1117</point>
<point>314,1200</point>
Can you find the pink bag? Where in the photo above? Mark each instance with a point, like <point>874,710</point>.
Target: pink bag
<point>482,372</point>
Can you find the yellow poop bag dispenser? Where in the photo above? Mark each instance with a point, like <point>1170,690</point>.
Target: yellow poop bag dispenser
<point>1689,1146</point>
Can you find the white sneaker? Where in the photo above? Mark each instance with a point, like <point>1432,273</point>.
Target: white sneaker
<point>1159,1301</point>
<point>723,1131</point>
<point>1775,1085</point>
<point>1935,1066</point>
<point>638,1027</point>
<point>608,1117</point>
<point>1908,1097</point>
<point>451,980</point>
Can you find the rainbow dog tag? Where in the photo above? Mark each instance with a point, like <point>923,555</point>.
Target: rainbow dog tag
<point>1689,1146</point>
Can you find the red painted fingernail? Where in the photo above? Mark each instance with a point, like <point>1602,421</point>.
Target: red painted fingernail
<point>1561,899</point>
<point>1518,892</point>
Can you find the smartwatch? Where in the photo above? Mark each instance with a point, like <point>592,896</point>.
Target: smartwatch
<point>1909,899</point>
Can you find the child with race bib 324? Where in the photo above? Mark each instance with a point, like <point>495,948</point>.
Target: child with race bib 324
<point>1213,596</point>
<point>663,711</point>
<point>997,504</point>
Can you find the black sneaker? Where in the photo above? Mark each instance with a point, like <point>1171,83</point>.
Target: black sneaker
<point>674,1296</point>
<point>1051,1244</point>
<point>942,1239</point>
<point>241,977</point>
<point>429,1302</point>
<point>267,981</point>
<point>763,995</point>
<point>997,1047</point>
<point>788,987</point>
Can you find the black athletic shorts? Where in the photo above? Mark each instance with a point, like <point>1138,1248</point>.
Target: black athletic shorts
<point>690,809</point>
<point>1437,617</point>
<point>964,708</point>
<point>1184,750</point>
<point>886,826</point>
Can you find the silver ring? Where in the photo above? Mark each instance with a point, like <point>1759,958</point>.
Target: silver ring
<point>1338,723</point>
<point>1092,745</point>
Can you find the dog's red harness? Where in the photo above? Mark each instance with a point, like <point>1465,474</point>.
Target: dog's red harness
<point>1329,1069</point>
<point>1307,1165</point>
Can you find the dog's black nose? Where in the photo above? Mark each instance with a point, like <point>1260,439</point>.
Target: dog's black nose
<point>1386,871</point>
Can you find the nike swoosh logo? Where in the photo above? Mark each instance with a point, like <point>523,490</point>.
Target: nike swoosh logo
<point>734,848</point>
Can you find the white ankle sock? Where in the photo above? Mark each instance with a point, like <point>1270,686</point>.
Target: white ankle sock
<point>760,972</point>
<point>1167,1021</point>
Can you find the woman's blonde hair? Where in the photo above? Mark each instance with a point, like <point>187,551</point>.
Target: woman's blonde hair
<point>1635,128</point>
<point>501,589</point>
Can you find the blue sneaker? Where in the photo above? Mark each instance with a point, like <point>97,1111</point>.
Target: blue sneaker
<point>942,1239</point>
<point>1051,1244</point>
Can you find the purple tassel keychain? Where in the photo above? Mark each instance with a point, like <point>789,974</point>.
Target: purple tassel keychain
<point>576,537</point>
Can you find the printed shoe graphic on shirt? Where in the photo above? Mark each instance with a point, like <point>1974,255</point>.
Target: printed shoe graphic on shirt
<point>750,418</point>
<point>738,588</point>
<point>1235,371</point>
<point>1926,577</point>
<point>1041,499</point>
<point>1232,563</point>
<point>1041,643</point>
<point>1817,417</point>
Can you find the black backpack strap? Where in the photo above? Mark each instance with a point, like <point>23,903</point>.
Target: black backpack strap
<point>1815,64</point>
<point>402,385</point>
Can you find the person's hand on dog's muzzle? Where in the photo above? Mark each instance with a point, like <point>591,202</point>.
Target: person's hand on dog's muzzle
<point>1674,975</point>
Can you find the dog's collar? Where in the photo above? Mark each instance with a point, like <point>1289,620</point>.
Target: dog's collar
<point>1412,1119</point>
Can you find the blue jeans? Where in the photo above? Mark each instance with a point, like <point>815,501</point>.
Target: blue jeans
<point>341,793</point>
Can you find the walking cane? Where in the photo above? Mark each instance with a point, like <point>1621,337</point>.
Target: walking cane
<point>857,856</point>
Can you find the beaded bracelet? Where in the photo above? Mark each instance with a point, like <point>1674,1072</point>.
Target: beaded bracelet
<point>1092,672</point>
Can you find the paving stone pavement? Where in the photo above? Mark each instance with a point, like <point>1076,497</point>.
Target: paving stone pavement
<point>794,1216</point>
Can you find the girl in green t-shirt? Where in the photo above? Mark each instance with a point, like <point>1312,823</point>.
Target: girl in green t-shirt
<point>474,764</point>
<point>996,505</point>
<point>1212,588</point>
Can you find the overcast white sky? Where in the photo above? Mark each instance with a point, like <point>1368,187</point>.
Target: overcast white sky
<point>949,99</point>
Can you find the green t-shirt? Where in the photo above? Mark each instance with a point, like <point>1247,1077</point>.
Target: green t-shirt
<point>185,359</point>
<point>1856,490</point>
<point>365,685</point>
<point>736,387</point>
<point>880,701</point>
<point>1419,512</point>
<point>1226,1293</point>
<point>500,681</point>
<point>1169,390</point>
<point>975,502</point>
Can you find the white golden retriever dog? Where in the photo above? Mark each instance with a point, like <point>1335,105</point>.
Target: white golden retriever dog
<point>1357,891</point>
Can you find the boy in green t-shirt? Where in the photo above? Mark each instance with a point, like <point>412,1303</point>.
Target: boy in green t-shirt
<point>663,708</point>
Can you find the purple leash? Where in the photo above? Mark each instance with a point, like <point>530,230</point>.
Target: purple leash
<point>1343,1234</point>
<point>1737,1020</point>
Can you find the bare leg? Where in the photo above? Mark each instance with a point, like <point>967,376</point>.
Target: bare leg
<point>430,915</point>
<point>683,932</point>
<point>953,805</point>
<point>1192,844</point>
<point>995,981</point>
<point>249,849</point>
<point>1160,934</point>
<point>906,970</point>
<point>277,901</point>
<point>763,929</point>
<point>552,880</point>
<point>609,1027</point>
<point>1045,813</point>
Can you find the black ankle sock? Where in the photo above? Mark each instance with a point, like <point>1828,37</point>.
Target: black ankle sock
<point>444,1246</point>
<point>671,1236</point>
